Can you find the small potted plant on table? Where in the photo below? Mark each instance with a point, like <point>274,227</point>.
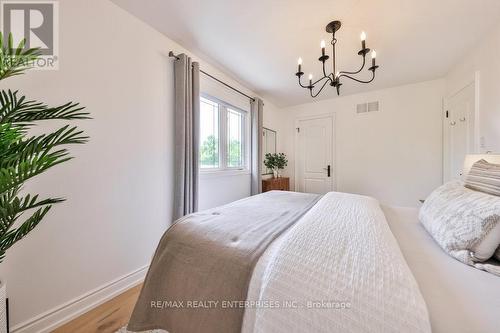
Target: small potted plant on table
<point>276,162</point>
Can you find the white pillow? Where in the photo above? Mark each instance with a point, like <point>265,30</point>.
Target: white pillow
<point>465,223</point>
<point>497,253</point>
<point>482,251</point>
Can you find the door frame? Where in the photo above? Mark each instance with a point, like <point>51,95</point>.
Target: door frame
<point>332,116</point>
<point>474,80</point>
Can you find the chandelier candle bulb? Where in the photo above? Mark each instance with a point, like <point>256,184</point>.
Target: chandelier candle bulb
<point>363,40</point>
<point>310,80</point>
<point>300,65</point>
<point>323,46</point>
<point>374,56</point>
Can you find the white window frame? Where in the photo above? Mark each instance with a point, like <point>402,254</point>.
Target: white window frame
<point>223,143</point>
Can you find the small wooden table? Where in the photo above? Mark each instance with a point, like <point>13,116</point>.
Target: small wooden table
<point>276,184</point>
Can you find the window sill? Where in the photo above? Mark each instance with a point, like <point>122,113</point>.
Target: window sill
<point>223,173</point>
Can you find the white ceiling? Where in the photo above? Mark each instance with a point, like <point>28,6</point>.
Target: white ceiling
<point>258,42</point>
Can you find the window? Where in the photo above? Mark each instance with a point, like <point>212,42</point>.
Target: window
<point>234,139</point>
<point>223,136</point>
<point>209,134</point>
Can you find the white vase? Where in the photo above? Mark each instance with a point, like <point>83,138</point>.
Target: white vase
<point>3,308</point>
<point>275,173</point>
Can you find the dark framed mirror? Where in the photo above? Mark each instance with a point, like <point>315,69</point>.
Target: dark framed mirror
<point>268,146</point>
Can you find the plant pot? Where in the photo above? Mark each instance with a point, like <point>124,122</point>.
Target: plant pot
<point>3,307</point>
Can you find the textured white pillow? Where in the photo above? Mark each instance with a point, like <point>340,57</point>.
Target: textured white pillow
<point>465,223</point>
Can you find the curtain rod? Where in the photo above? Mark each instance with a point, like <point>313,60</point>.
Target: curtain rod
<point>172,55</point>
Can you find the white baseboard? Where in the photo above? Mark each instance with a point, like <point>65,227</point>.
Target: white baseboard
<point>48,321</point>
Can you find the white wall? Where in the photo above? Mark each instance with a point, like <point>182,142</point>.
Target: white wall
<point>395,154</point>
<point>119,186</point>
<point>483,58</point>
<point>220,189</point>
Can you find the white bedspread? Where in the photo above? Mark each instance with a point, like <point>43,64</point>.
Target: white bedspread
<point>342,257</point>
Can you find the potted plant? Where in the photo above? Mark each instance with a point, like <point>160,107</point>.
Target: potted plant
<point>275,162</point>
<point>24,156</point>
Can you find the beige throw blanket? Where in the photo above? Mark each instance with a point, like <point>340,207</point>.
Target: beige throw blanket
<point>199,277</point>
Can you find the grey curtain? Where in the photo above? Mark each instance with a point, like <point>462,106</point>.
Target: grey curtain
<point>187,124</point>
<point>256,107</point>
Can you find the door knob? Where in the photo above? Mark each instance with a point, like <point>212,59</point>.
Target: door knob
<point>453,123</point>
<point>462,119</point>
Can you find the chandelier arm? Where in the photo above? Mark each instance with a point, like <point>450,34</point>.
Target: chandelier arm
<point>319,80</point>
<point>319,91</point>
<point>358,71</point>
<point>314,83</point>
<point>300,83</point>
<point>360,81</point>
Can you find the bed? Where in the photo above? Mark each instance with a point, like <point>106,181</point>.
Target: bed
<point>339,263</point>
<point>459,298</point>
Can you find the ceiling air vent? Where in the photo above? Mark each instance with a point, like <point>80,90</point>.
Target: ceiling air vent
<point>372,106</point>
<point>362,108</point>
<point>367,107</point>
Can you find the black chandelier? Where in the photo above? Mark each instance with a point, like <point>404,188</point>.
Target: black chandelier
<point>334,77</point>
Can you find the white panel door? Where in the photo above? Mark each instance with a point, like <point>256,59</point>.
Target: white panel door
<point>459,131</point>
<point>314,160</point>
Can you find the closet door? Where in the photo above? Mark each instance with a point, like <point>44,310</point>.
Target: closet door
<point>458,131</point>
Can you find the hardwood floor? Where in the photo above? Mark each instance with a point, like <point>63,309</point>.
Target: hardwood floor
<point>107,317</point>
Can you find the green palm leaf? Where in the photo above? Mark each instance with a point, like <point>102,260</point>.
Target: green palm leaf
<point>39,146</point>
<point>14,61</point>
<point>15,235</point>
<point>21,112</point>
<point>13,208</point>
